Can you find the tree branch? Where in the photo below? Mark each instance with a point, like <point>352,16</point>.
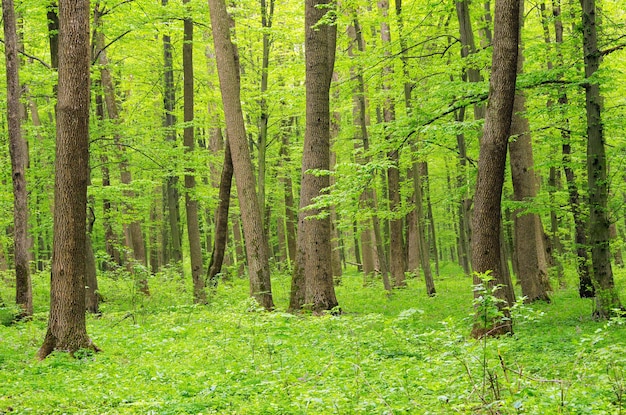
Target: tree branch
<point>31,57</point>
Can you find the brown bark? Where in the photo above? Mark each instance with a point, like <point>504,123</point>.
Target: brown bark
<point>191,204</point>
<point>257,248</point>
<point>530,252</point>
<point>313,249</point>
<point>92,296</point>
<point>19,160</point>
<point>487,200</point>
<point>132,231</point>
<point>424,253</point>
<point>361,143</point>
<point>290,215</point>
<point>66,323</point>
<point>221,220</point>
<point>173,248</point>
<point>607,298</point>
<point>397,264</point>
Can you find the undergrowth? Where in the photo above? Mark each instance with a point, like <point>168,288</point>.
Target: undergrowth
<point>399,354</point>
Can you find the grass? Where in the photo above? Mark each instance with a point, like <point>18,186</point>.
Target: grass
<point>404,354</point>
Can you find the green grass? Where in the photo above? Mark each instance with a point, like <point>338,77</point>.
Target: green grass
<point>385,355</point>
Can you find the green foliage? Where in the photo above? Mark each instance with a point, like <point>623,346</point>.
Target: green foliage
<point>404,353</point>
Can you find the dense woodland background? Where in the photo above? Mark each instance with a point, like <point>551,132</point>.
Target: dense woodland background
<point>353,181</point>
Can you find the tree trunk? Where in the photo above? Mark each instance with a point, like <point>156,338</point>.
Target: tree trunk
<point>585,289</point>
<point>19,160</point>
<point>607,298</point>
<point>530,253</point>
<point>290,215</point>
<point>92,296</point>
<point>221,220</point>
<point>228,71</point>
<point>133,234</point>
<point>172,197</point>
<point>313,248</point>
<point>397,264</point>
<point>191,204</point>
<point>66,323</point>
<point>491,165</point>
<point>424,253</point>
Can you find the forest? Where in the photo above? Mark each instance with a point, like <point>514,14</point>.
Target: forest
<point>351,207</point>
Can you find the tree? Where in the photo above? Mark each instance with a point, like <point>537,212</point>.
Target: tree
<point>607,299</point>
<point>66,323</point>
<point>313,270</point>
<point>530,253</point>
<point>493,146</point>
<point>191,204</point>
<point>172,251</point>
<point>19,159</point>
<point>257,249</point>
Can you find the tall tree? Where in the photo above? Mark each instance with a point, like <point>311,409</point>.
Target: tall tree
<point>493,147</point>
<point>172,250</point>
<point>133,234</point>
<point>607,298</point>
<point>530,252</point>
<point>66,323</point>
<point>313,247</point>
<point>19,160</point>
<point>257,248</point>
<point>397,264</point>
<point>191,204</point>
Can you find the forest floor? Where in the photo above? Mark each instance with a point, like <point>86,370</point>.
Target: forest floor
<point>399,354</point>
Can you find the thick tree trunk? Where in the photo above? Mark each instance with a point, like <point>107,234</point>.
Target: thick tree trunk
<point>313,248</point>
<point>257,248</point>
<point>221,220</point>
<point>487,200</point>
<point>607,298</point>
<point>191,204</point>
<point>530,252</point>
<point>66,323</point>
<point>19,161</point>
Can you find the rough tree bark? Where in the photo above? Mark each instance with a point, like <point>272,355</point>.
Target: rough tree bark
<point>607,298</point>
<point>257,248</point>
<point>66,323</point>
<point>221,219</point>
<point>491,164</point>
<point>173,252</point>
<point>191,204</point>
<point>397,264</point>
<point>313,248</point>
<point>19,160</point>
<point>530,252</point>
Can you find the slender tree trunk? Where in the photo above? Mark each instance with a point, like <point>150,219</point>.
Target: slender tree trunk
<point>586,289</point>
<point>92,296</point>
<point>133,234</point>
<point>290,215</point>
<point>221,220</point>
<point>257,248</point>
<point>397,265</point>
<point>487,200</point>
<point>19,159</point>
<point>66,323</point>
<point>171,182</point>
<point>424,253</point>
<point>368,252</point>
<point>313,249</point>
<point>191,204</point>
<point>607,298</point>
